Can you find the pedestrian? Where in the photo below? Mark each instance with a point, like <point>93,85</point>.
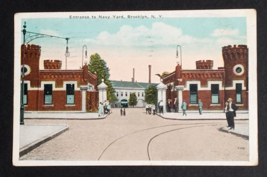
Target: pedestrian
<point>184,108</point>
<point>105,107</point>
<point>231,110</point>
<point>121,111</point>
<point>161,106</point>
<point>124,112</point>
<point>100,109</point>
<point>146,108</point>
<point>153,108</point>
<point>149,108</point>
<point>108,108</point>
<point>175,105</point>
<point>200,104</point>
<point>158,108</point>
<point>168,105</point>
<point>226,113</point>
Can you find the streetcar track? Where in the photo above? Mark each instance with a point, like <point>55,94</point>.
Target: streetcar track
<point>146,130</point>
<point>159,134</point>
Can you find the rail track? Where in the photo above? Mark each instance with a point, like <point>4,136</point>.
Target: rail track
<point>156,135</point>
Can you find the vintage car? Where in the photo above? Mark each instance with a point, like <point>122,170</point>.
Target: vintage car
<point>124,103</point>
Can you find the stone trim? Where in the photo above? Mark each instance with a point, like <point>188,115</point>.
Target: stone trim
<point>215,104</point>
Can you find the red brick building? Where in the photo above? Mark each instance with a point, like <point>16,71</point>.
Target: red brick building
<point>54,89</point>
<point>212,86</point>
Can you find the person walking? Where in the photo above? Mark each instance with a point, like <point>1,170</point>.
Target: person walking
<point>105,107</point>
<point>153,108</point>
<point>100,109</point>
<point>159,110</point>
<point>146,108</point>
<point>231,110</point>
<point>168,105</point>
<point>184,108</point>
<point>108,108</point>
<point>175,105</point>
<point>200,104</point>
<point>161,106</point>
<point>121,111</point>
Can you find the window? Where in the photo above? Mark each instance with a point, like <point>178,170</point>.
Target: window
<point>70,93</point>
<point>126,94</point>
<point>25,94</point>
<point>117,94</point>
<point>48,93</point>
<point>238,93</point>
<point>215,93</point>
<point>138,94</point>
<point>193,93</point>
<point>142,94</point>
<point>121,93</point>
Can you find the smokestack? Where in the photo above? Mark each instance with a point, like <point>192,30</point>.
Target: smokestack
<point>149,73</point>
<point>133,75</point>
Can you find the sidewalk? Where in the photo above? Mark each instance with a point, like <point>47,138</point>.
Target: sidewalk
<point>32,136</point>
<point>240,129</point>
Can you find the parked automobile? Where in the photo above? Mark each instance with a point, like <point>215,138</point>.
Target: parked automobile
<point>124,103</point>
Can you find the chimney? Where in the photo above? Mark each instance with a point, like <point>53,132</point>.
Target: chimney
<point>149,73</point>
<point>133,75</point>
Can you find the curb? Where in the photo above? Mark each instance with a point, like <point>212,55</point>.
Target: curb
<point>197,119</point>
<point>26,149</point>
<point>64,118</point>
<point>234,133</point>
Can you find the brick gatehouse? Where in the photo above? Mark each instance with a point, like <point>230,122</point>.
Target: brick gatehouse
<point>212,86</point>
<point>54,89</point>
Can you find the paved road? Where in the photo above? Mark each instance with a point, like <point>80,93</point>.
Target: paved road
<point>138,136</point>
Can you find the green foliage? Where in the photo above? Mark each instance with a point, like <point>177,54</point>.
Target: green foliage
<point>132,99</point>
<point>151,95</point>
<point>99,67</point>
<point>106,69</point>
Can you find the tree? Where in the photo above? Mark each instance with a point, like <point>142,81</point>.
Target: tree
<point>151,95</point>
<point>106,68</point>
<point>132,99</point>
<point>99,67</point>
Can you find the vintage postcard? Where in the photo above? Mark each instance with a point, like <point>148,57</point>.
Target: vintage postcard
<point>135,88</point>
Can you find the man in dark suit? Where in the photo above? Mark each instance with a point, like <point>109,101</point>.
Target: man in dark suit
<point>231,113</point>
<point>176,105</point>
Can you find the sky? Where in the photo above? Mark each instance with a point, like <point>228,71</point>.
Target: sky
<point>136,43</point>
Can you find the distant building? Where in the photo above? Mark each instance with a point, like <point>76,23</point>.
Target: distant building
<point>54,89</point>
<point>212,86</point>
<point>123,89</point>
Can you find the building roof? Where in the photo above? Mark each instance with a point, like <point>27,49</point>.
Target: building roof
<point>128,84</point>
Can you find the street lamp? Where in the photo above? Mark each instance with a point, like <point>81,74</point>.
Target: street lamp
<point>83,53</point>
<point>177,54</point>
<point>22,80</point>
<point>67,54</point>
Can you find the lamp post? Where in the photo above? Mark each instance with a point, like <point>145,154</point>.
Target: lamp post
<point>67,54</point>
<point>22,80</point>
<point>83,53</point>
<point>177,54</point>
